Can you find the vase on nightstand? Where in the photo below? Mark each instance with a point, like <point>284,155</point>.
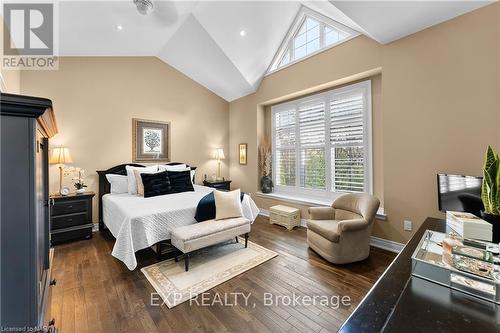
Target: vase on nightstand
<point>266,184</point>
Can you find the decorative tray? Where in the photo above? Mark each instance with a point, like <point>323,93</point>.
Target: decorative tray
<point>461,270</point>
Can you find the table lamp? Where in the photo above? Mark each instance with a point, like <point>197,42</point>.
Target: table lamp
<point>60,156</point>
<point>219,155</point>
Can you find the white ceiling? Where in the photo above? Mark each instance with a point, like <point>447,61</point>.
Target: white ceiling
<point>202,38</point>
<point>387,21</point>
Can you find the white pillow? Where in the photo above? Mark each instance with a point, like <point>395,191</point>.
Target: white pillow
<point>179,167</point>
<point>227,204</point>
<point>193,173</point>
<point>132,183</point>
<point>119,183</point>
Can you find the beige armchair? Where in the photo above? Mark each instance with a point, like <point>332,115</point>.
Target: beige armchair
<point>341,233</point>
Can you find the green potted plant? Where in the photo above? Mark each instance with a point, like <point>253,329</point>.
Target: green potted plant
<point>490,193</point>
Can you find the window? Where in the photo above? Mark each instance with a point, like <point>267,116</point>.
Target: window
<point>322,143</point>
<point>310,33</point>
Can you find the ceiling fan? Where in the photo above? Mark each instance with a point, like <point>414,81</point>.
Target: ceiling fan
<point>157,12</point>
<point>144,7</point>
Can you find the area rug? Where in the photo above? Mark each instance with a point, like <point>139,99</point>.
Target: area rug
<point>208,268</point>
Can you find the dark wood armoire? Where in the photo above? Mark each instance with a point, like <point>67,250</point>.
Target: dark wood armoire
<point>26,123</point>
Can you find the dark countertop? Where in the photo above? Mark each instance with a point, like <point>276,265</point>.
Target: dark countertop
<point>399,302</point>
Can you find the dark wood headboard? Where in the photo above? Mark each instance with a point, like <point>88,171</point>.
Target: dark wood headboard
<point>105,186</point>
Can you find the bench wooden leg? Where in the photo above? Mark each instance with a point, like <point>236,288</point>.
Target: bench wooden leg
<point>186,261</point>
<point>246,239</point>
<point>236,239</point>
<point>158,251</point>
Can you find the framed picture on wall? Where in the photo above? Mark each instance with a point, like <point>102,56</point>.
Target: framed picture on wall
<point>243,153</point>
<point>150,141</point>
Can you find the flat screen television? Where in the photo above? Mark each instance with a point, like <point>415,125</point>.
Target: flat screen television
<point>459,193</point>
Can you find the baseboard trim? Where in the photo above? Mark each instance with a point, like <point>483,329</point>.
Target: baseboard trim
<point>95,227</point>
<point>386,244</point>
<point>378,242</point>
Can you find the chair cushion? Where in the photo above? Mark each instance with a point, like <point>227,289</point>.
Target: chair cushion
<point>326,228</point>
<point>341,214</point>
<point>206,228</point>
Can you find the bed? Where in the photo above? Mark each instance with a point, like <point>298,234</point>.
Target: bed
<point>138,223</point>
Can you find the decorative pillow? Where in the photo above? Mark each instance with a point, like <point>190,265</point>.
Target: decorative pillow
<point>180,181</point>
<point>179,167</point>
<point>132,183</point>
<point>119,183</point>
<point>138,179</point>
<point>206,207</point>
<point>156,184</point>
<point>227,204</point>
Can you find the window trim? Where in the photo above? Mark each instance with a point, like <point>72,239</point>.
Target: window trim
<point>287,42</point>
<point>365,87</point>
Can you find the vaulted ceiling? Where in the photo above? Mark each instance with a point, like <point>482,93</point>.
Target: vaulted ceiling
<point>203,39</point>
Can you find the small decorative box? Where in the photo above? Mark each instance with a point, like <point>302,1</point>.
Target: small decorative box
<point>288,217</point>
<point>468,225</point>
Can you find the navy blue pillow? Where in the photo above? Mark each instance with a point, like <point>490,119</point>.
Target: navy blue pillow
<point>156,184</point>
<point>206,207</point>
<point>180,181</point>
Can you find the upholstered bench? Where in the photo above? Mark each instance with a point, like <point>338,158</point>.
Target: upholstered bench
<point>199,235</point>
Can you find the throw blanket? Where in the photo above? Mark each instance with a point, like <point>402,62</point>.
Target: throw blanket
<point>206,207</point>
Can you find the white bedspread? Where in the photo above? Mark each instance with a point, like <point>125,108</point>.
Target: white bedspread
<point>138,222</point>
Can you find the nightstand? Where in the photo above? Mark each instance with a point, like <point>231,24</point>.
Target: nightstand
<point>218,184</point>
<point>70,217</point>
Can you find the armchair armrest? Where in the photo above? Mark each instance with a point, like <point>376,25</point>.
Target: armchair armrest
<point>352,225</point>
<point>321,213</point>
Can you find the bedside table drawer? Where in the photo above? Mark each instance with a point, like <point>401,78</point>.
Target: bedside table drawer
<point>71,217</point>
<point>74,206</point>
<point>221,186</point>
<point>70,220</point>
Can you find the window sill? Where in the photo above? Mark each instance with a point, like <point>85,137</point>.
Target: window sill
<point>301,200</point>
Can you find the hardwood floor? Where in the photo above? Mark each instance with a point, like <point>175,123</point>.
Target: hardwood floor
<point>96,292</point>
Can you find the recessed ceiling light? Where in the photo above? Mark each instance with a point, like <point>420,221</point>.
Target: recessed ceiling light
<point>243,33</point>
<point>119,27</point>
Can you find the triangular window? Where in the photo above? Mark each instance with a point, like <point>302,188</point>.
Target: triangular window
<point>310,33</point>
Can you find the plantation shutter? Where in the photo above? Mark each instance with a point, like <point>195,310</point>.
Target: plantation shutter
<point>311,131</point>
<point>322,143</point>
<point>285,146</point>
<point>347,133</point>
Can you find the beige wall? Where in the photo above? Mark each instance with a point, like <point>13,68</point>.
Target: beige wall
<point>439,109</point>
<point>11,79</point>
<point>96,98</point>
<point>435,108</point>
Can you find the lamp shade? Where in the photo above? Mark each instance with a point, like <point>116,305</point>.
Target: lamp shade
<point>219,154</point>
<point>60,155</point>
